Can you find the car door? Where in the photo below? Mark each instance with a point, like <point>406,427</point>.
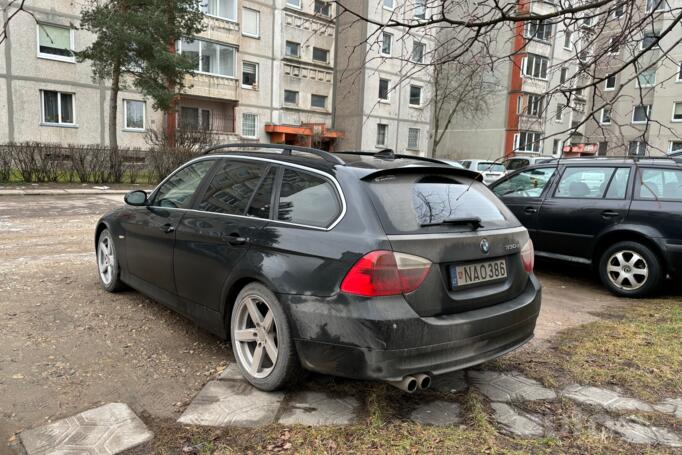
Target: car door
<point>585,201</point>
<point>150,230</point>
<point>216,234</point>
<point>523,193</point>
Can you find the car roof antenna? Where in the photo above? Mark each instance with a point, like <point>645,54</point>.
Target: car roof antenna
<point>385,154</point>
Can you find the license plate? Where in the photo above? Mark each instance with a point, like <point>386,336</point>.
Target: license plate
<point>462,275</point>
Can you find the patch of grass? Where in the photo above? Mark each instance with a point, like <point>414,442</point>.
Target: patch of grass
<point>638,349</point>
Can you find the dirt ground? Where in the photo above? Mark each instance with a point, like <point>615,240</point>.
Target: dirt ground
<point>66,345</point>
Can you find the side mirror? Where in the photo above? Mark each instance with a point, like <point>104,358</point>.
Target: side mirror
<point>136,198</point>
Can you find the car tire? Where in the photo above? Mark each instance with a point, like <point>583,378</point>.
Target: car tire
<point>107,263</point>
<point>630,269</point>
<point>271,335</point>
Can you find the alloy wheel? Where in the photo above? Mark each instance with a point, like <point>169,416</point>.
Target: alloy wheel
<point>627,270</point>
<point>106,259</point>
<point>255,335</point>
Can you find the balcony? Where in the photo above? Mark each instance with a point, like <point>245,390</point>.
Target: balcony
<point>531,123</point>
<point>210,86</point>
<point>534,85</point>
<point>209,116</point>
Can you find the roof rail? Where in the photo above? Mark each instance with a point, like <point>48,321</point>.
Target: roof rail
<point>285,149</point>
<point>388,154</point>
<point>677,159</point>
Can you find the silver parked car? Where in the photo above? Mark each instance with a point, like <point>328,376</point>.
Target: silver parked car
<point>519,162</point>
<point>490,170</point>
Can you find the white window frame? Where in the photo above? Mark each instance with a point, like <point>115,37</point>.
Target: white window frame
<point>285,49</point>
<point>672,117</point>
<point>125,115</point>
<point>606,83</point>
<point>419,136</point>
<point>648,114</point>
<point>601,116</point>
<point>534,36</point>
<point>255,129</point>
<point>561,73</point>
<point>294,3</point>
<point>559,117</point>
<point>250,35</point>
<point>59,58</point>
<point>417,4</point>
<point>537,59</point>
<point>647,85</point>
<point>670,146</point>
<point>381,49</point>
<point>388,91</point>
<point>640,144</point>
<point>328,4</point>
<point>517,141</point>
<point>423,45</point>
<point>378,144</point>
<point>618,16</point>
<point>388,8</point>
<point>255,84</point>
<point>641,42</point>
<point>421,96</point>
<point>569,34</point>
<point>610,50</point>
<point>235,12</point>
<point>660,6</point>
<point>59,109</point>
<point>234,66</point>
<point>679,73</point>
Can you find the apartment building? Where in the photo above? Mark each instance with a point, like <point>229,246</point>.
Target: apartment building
<point>264,73</point>
<point>383,84</point>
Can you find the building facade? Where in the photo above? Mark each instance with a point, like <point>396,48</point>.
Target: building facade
<point>264,73</point>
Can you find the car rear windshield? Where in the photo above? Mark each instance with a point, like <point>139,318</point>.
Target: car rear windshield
<point>490,167</point>
<point>419,203</point>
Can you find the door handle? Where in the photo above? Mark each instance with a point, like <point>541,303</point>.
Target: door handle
<point>168,228</point>
<point>530,210</point>
<point>235,239</point>
<point>609,213</point>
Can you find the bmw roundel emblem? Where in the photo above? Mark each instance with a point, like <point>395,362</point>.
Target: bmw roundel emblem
<point>485,246</point>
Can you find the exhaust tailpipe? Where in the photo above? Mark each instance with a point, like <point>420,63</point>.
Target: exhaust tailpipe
<point>423,381</point>
<point>407,384</point>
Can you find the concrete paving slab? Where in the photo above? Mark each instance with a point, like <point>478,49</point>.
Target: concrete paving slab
<point>454,382</point>
<point>108,429</point>
<point>438,413</point>
<point>642,434</point>
<point>604,398</point>
<point>670,406</point>
<point>231,372</point>
<point>516,422</point>
<point>317,408</point>
<point>232,403</point>
<point>507,387</point>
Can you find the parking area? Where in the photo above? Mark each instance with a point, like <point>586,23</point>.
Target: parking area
<point>67,346</point>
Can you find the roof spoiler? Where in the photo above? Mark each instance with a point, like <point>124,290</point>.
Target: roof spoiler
<point>425,169</point>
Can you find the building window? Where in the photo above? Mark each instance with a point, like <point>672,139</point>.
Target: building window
<point>614,46</point>
<point>382,133</point>
<point>641,113</point>
<point>413,138</point>
<point>294,3</point>
<point>55,42</point>
<point>293,49</point>
<point>250,22</point>
<point>619,10</point>
<point>610,82</point>
<point>209,57</point>
<point>57,107</point>
<point>249,124</point>
<point>675,146</point>
<point>386,43</point>
<point>677,111</point>
<point>290,97</point>
<point>637,148</point>
<point>679,73</point>
<point>319,101</point>
<point>527,141</point>
<point>415,95</point>
<point>534,107</point>
<point>560,108</point>
<point>133,113</point>
<point>320,55</point>
<point>420,9</point>
<point>605,116</point>
<point>383,89</point>
<point>648,40</point>
<point>388,4</point>
<point>647,78</point>
<point>538,30</point>
<point>536,66</point>
<point>323,8</point>
<point>249,74</point>
<point>418,52</point>
<point>225,9</point>
<point>567,39</point>
<point>556,147</point>
<point>563,77</point>
<point>654,5</point>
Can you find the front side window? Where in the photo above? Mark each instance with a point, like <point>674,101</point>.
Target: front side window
<point>307,199</point>
<point>386,43</point>
<point>536,66</point>
<point>231,187</point>
<point>641,113</point>
<point>413,138</point>
<point>320,55</point>
<point>210,58</point>
<point>249,74</point>
<point>250,22</point>
<point>225,9</point>
<point>525,184</point>
<point>382,131</point>
<point>57,107</point>
<point>293,49</point>
<point>319,101</point>
<point>415,95</point>
<point>134,114</point>
<point>418,52</point>
<point>249,122</point>
<point>659,184</point>
<point>55,42</point>
<point>177,191</point>
<point>383,89</point>
<point>584,182</point>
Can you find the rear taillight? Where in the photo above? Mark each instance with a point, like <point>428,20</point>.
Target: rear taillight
<point>528,256</point>
<point>385,273</point>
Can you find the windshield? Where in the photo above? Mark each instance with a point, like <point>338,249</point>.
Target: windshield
<point>489,166</point>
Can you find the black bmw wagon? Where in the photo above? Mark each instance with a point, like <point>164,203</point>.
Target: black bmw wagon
<point>369,266</point>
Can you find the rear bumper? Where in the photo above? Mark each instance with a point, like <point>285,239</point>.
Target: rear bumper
<point>384,339</point>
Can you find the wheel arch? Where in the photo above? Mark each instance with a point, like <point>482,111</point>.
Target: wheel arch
<point>624,235</point>
<point>232,289</point>
<point>101,226</point>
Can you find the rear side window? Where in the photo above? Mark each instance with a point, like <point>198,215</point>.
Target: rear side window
<point>584,182</point>
<point>408,203</point>
<point>659,184</point>
<point>260,204</point>
<point>307,199</point>
<point>526,184</point>
<point>231,187</point>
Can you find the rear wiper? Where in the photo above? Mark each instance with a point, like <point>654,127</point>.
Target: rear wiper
<point>474,221</point>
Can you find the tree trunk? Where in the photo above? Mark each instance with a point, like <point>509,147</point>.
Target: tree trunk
<point>114,161</point>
